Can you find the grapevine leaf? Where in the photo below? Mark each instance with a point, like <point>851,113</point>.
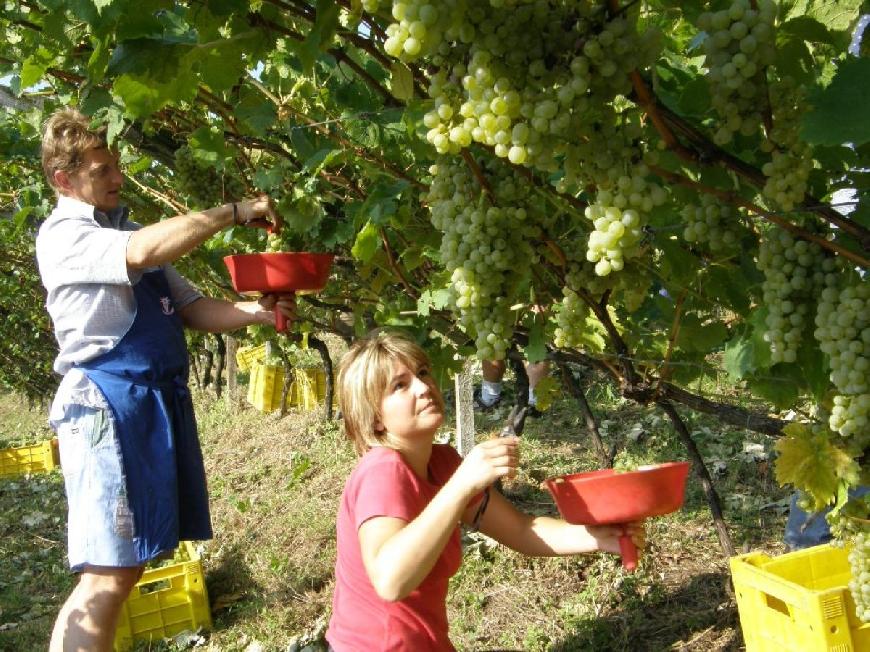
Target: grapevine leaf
<point>114,121</point>
<point>303,146</point>
<point>318,39</point>
<point>208,145</point>
<point>809,29</point>
<point>793,57</point>
<point>432,299</point>
<point>34,67</point>
<point>401,82</point>
<point>814,365</point>
<point>254,114</point>
<point>694,336</point>
<point>728,286</point>
<point>536,349</point>
<point>677,263</point>
<point>99,60</point>
<point>424,303</point>
<point>695,98</point>
<point>367,243</point>
<point>835,14</point>
<point>221,67</point>
<point>839,113</point>
<point>302,213</point>
<point>811,462</point>
<point>781,387</point>
<point>268,179</point>
<point>547,389</point>
<point>320,159</point>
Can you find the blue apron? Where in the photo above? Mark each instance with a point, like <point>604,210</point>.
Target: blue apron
<point>144,379</point>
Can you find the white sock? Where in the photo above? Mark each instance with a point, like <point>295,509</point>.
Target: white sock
<point>533,400</point>
<point>489,392</point>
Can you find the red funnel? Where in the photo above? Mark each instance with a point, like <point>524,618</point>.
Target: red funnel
<point>279,272</point>
<point>608,497</point>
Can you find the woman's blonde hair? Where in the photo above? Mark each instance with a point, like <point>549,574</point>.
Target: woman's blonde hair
<point>65,139</point>
<point>363,376</point>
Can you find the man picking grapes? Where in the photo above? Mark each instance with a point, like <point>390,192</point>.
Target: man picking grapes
<point>132,465</point>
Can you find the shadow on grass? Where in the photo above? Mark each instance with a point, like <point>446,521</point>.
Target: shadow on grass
<point>231,587</point>
<point>691,617</point>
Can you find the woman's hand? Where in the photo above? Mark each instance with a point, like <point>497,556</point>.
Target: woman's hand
<point>258,213</point>
<point>486,463</point>
<point>607,536</point>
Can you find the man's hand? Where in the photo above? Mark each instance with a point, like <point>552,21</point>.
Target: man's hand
<point>285,303</point>
<point>258,213</point>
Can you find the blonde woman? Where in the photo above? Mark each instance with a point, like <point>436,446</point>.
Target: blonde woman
<point>399,517</point>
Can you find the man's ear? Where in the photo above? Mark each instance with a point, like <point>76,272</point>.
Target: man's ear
<point>62,181</point>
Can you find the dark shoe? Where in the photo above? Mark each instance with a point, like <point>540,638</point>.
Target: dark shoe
<point>533,413</point>
<point>480,406</point>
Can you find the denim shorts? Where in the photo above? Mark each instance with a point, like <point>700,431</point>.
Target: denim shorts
<point>100,524</point>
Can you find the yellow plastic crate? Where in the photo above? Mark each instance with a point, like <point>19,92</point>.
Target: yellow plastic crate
<point>246,356</point>
<point>29,459</point>
<point>798,602</point>
<point>265,387</point>
<point>308,389</point>
<point>166,601</point>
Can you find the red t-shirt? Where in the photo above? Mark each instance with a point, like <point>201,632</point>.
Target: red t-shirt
<point>383,484</point>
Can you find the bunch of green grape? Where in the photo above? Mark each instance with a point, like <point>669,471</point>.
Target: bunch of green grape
<point>843,331</point>
<point>740,44</point>
<point>486,246</point>
<point>851,528</point>
<point>503,80</point>
<point>859,585</point>
<point>618,215</point>
<point>712,223</point>
<point>205,185</point>
<point>795,271</point>
<point>419,27</point>
<point>791,160</point>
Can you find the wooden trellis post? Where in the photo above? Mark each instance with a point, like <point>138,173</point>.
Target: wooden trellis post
<point>464,411</point>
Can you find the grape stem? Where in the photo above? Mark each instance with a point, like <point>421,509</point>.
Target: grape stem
<point>394,266</point>
<point>478,174</point>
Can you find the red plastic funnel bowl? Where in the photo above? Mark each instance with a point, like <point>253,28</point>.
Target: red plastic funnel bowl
<point>279,272</point>
<point>609,497</point>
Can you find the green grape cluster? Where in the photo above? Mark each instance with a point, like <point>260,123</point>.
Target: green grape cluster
<point>618,215</point>
<point>205,185</point>
<point>573,311</point>
<point>418,29</point>
<point>740,44</point>
<point>791,160</point>
<point>274,242</point>
<point>486,246</point>
<point>843,331</point>
<point>859,582</point>
<point>505,80</point>
<point>794,272</point>
<point>711,223</point>
<point>787,174</point>
<point>851,527</point>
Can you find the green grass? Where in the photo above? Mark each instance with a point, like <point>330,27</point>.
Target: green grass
<point>275,485</point>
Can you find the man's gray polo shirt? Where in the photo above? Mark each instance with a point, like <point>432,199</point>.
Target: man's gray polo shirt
<point>82,257</point>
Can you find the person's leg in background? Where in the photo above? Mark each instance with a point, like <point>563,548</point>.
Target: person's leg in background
<point>535,371</point>
<point>490,387</point>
